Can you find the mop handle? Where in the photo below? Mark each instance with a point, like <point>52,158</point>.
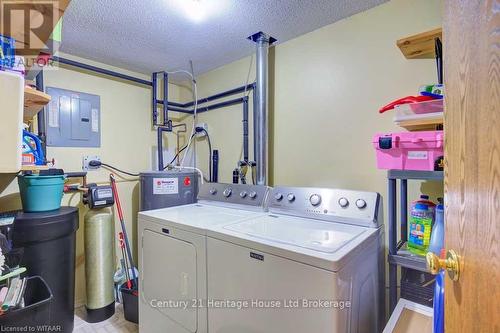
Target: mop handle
<point>117,199</point>
<point>124,230</point>
<point>124,261</point>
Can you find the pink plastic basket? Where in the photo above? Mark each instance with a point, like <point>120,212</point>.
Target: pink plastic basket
<point>409,150</point>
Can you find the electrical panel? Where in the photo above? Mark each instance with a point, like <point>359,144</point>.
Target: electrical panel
<point>73,119</point>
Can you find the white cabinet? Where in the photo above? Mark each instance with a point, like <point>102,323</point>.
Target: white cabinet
<point>11,120</point>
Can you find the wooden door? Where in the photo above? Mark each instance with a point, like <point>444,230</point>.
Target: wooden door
<point>471,31</point>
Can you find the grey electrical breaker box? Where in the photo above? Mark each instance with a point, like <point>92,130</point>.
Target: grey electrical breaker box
<point>73,119</point>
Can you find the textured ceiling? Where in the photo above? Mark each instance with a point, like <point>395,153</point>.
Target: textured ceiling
<point>153,35</point>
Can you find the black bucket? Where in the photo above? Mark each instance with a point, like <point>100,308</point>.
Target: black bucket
<point>130,299</point>
<point>36,311</point>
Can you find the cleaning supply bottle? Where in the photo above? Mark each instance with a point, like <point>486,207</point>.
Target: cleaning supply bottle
<point>437,235</point>
<point>419,233</point>
<point>424,199</point>
<point>32,149</point>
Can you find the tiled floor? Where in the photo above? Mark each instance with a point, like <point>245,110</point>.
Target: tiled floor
<point>115,324</point>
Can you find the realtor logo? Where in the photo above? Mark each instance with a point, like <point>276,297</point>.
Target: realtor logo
<point>30,23</point>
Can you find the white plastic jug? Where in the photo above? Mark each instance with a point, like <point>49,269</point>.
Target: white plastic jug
<point>11,121</point>
<point>437,236</point>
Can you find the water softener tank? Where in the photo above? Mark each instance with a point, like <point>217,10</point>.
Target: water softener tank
<point>161,189</point>
<point>99,264</point>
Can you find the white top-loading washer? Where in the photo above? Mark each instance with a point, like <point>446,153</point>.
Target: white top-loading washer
<point>172,255</point>
<point>314,263</point>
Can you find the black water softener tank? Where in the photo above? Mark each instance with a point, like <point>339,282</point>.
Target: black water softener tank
<point>48,240</point>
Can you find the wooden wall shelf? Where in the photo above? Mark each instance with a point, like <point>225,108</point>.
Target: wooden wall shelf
<point>34,167</point>
<point>34,101</point>
<point>420,46</point>
<point>421,124</point>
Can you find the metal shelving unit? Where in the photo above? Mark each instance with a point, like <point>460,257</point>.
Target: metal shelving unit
<point>398,254</point>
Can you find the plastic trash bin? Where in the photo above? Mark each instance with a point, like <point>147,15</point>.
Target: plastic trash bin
<point>37,307</point>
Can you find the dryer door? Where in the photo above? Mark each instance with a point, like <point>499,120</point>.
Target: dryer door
<point>169,278</point>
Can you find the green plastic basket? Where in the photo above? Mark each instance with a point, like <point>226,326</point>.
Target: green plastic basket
<point>41,193</point>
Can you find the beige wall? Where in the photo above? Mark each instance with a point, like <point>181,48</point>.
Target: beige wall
<point>325,91</point>
<point>126,142</point>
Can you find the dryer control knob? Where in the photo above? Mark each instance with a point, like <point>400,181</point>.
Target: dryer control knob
<point>213,191</point>
<point>252,195</point>
<point>360,203</point>
<point>290,197</point>
<point>278,196</point>
<point>227,192</point>
<point>315,199</point>
<point>243,194</point>
<point>343,202</point>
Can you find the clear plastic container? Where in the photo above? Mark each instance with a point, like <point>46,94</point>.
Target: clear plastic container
<point>422,110</point>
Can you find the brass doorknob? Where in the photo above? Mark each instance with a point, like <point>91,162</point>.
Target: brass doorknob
<point>451,264</point>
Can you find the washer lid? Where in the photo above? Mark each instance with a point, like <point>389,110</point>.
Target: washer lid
<point>305,233</point>
<point>323,244</point>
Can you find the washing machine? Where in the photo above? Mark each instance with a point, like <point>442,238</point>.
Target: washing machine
<point>313,263</point>
<point>172,255</point>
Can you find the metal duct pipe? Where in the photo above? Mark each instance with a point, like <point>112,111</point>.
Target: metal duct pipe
<point>254,112</point>
<point>262,41</point>
<point>262,116</point>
